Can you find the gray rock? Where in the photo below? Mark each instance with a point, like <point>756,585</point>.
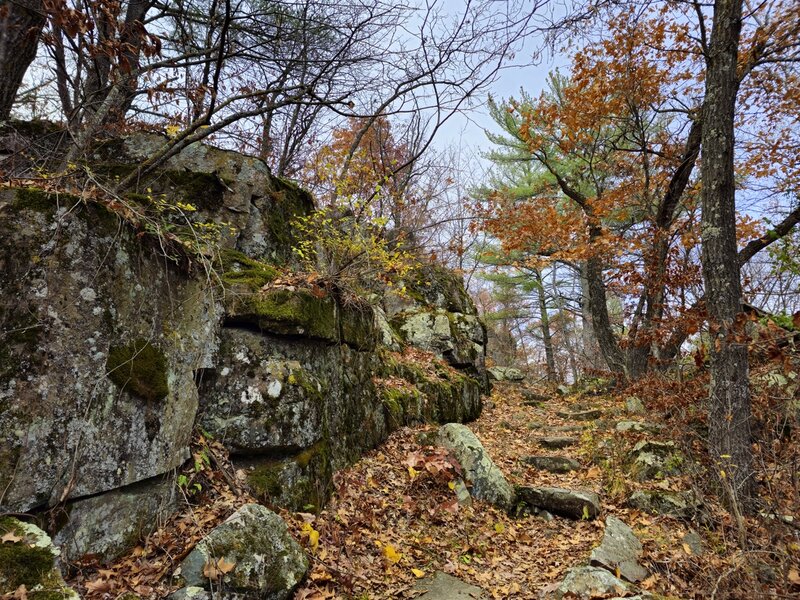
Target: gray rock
<point>190,593</point>
<point>258,400</point>
<point>31,561</point>
<point>80,296</point>
<point>634,405</point>
<point>681,505</point>
<point>586,583</point>
<point>462,493</point>
<point>653,460</point>
<point>637,426</point>
<point>532,396</point>
<point>574,504</point>
<point>619,551</point>
<point>693,540</point>
<point>581,415</point>
<point>505,374</point>
<point>554,464</point>
<point>269,564</point>
<point>441,586</point>
<point>488,482</point>
<point>557,442</point>
<point>112,523</point>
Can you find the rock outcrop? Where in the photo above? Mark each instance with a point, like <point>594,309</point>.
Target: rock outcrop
<point>115,347</point>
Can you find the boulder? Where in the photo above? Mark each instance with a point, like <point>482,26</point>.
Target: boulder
<point>554,464</point>
<point>573,504</point>
<point>586,583</point>
<point>107,525</point>
<point>28,557</point>
<point>619,551</point>
<point>441,586</point>
<point>488,482</point>
<point>557,442</point>
<point>505,374</point>
<point>651,459</point>
<point>681,505</point>
<point>266,562</point>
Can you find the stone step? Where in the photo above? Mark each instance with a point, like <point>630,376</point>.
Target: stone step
<point>557,442</point>
<point>553,464</point>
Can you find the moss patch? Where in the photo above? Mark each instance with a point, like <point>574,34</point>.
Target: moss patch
<point>240,269</point>
<point>298,482</point>
<point>40,201</point>
<point>139,368</point>
<point>203,190</point>
<point>21,564</point>
<point>286,312</point>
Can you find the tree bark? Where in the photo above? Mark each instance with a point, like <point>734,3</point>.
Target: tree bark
<point>544,325</point>
<point>729,399</point>
<point>21,23</point>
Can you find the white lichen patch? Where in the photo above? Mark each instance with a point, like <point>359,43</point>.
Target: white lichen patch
<point>274,389</point>
<point>88,294</point>
<point>251,395</point>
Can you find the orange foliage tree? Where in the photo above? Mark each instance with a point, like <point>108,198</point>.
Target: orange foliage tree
<point>617,143</point>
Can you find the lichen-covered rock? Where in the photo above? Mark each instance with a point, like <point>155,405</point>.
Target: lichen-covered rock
<point>634,406</point>
<point>585,583</point>
<point>258,398</point>
<point>488,482</point>
<point>28,558</point>
<point>619,551</point>
<point>505,374</point>
<point>553,464</point>
<point>637,426</point>
<point>267,563</point>
<point>225,187</point>
<point>574,504</point>
<point>681,505</point>
<point>99,341</point>
<point>652,459</point>
<point>107,525</point>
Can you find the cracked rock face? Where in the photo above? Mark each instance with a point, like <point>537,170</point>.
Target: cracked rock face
<point>88,316</point>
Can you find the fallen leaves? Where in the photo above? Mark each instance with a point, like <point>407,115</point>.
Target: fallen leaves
<point>215,570</point>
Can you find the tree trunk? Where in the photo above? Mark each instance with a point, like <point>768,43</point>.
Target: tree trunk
<point>600,320</point>
<point>21,23</point>
<point>729,401</point>
<point>591,352</point>
<point>544,325</point>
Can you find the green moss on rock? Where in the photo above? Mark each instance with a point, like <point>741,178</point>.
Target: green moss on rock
<point>240,269</point>
<point>40,201</point>
<point>139,368</point>
<point>203,190</point>
<point>28,562</point>
<point>286,312</point>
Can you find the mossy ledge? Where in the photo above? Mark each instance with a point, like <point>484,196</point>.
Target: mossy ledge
<point>240,269</point>
<point>139,368</point>
<point>284,311</point>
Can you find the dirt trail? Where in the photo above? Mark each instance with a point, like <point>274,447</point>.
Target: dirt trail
<point>388,525</point>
